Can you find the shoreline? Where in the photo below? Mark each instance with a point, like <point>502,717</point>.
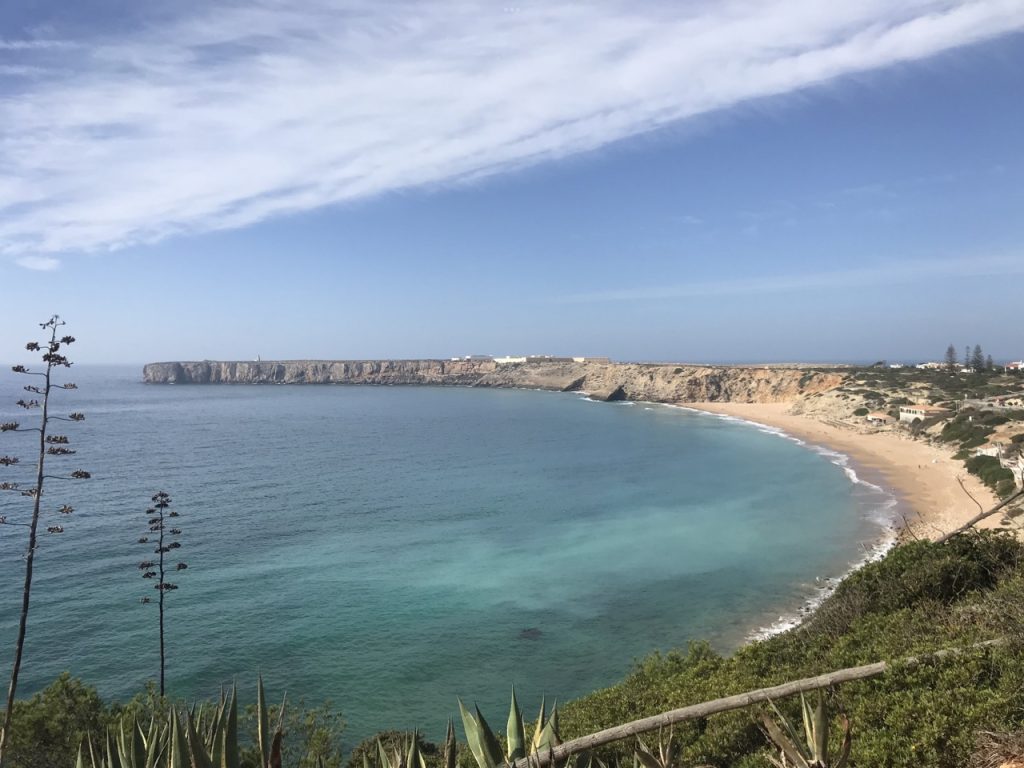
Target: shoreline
<point>922,477</point>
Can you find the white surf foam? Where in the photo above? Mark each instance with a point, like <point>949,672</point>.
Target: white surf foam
<point>882,513</point>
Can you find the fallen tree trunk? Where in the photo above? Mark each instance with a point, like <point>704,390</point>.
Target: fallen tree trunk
<point>981,516</point>
<point>738,701</point>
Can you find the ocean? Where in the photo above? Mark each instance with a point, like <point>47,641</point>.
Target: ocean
<point>391,548</point>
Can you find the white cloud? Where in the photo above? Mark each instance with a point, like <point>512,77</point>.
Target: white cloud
<point>893,273</point>
<point>246,111</point>
<point>38,263</point>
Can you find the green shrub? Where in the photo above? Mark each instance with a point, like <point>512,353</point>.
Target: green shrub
<point>992,473</point>
<point>861,412</point>
<point>919,598</point>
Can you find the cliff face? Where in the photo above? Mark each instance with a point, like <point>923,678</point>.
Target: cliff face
<point>604,381</point>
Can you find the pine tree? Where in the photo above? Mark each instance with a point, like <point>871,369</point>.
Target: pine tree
<point>977,358</point>
<point>951,358</point>
<point>989,365</point>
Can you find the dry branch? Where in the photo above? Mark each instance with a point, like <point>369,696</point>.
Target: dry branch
<point>738,701</point>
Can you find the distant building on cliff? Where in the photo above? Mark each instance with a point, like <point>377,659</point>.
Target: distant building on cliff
<point>507,360</point>
<point>920,412</point>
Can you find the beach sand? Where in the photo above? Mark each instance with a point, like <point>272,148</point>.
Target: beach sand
<point>923,477</point>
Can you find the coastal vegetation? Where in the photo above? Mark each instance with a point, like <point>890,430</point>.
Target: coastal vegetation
<point>920,598</point>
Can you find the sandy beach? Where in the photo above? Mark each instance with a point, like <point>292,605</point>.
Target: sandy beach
<point>924,478</point>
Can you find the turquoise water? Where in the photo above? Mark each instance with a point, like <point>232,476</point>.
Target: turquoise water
<point>391,548</point>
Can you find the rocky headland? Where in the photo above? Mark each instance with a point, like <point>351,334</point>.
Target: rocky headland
<point>602,381</point>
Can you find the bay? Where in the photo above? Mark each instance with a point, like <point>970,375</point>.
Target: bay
<point>391,548</point>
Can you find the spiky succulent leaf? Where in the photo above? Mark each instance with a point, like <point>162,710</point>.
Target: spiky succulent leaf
<point>548,737</point>
<point>514,730</point>
<point>198,756</point>
<point>481,740</point>
<point>539,727</point>
<point>449,745</point>
<point>783,741</point>
<point>179,750</point>
<point>229,732</point>
<point>262,726</point>
<point>820,729</point>
<point>643,753</point>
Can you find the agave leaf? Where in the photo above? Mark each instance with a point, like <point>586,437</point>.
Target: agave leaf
<point>262,727</point>
<point>449,745</point>
<point>138,748</point>
<point>229,733</point>
<point>790,731</point>
<point>412,753</point>
<point>382,756</point>
<point>642,753</point>
<point>275,749</point>
<point>807,718</point>
<point>541,719</point>
<point>366,761</point>
<point>198,756</point>
<point>79,762</point>
<point>784,742</point>
<point>820,743</point>
<point>514,730</point>
<point>156,741</point>
<point>481,740</point>
<point>548,737</point>
<point>113,758</point>
<point>179,750</point>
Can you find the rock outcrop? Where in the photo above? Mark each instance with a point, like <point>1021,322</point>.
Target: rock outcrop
<point>603,381</point>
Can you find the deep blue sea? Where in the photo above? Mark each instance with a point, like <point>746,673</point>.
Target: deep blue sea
<point>391,548</point>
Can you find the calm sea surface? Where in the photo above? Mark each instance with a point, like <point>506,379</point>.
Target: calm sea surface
<point>391,548</point>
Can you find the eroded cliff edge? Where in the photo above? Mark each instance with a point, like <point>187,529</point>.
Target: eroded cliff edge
<point>604,381</point>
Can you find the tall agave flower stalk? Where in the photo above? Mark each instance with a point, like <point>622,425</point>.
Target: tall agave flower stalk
<point>160,526</point>
<point>50,446</point>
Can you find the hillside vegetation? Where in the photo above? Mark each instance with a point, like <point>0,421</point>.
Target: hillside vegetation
<point>921,597</point>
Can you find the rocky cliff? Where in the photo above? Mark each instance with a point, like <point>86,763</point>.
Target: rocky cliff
<point>603,381</point>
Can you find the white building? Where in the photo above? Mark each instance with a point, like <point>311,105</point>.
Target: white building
<point>920,412</point>
<point>506,360</point>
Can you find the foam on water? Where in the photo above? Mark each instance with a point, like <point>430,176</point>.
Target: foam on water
<point>881,512</point>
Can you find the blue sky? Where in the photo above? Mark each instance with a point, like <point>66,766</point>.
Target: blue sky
<point>748,180</point>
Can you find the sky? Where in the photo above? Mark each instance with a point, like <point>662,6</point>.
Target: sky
<point>728,181</point>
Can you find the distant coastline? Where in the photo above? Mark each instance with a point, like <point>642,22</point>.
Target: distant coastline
<point>925,478</point>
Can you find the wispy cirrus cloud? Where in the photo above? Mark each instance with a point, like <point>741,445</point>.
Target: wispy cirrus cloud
<point>233,113</point>
<point>38,263</point>
<point>892,273</point>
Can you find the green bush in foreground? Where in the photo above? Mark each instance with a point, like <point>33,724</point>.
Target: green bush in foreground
<point>920,598</point>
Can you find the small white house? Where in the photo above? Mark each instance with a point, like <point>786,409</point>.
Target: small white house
<point>507,360</point>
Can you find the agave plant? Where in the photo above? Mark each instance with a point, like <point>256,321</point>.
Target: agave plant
<point>189,739</point>
<point>812,750</point>
<point>409,756</point>
<point>484,744</point>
